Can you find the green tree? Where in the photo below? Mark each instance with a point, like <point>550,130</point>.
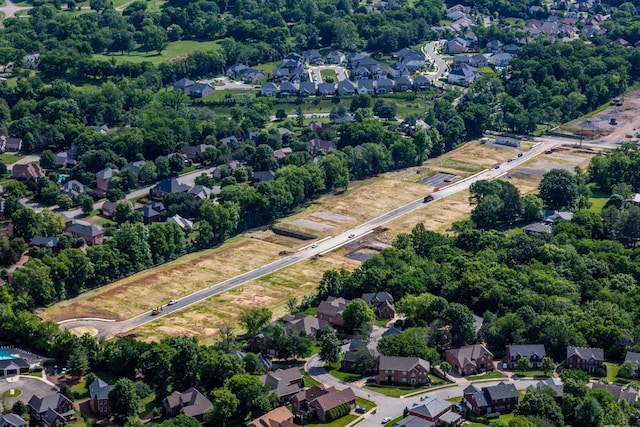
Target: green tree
<point>123,399</point>
<point>148,173</point>
<point>445,367</point>
<point>523,365</point>
<point>558,189</point>
<point>254,319</point>
<point>19,408</point>
<point>155,38</point>
<point>531,208</point>
<point>252,395</point>
<point>86,203</point>
<point>542,405</point>
<point>547,365</point>
<point>48,160</point>
<point>627,370</point>
<point>589,413</point>
<point>78,362</point>
<point>336,171</point>
<point>225,404</point>
<point>358,316</point>
<point>26,223</point>
<point>329,347</point>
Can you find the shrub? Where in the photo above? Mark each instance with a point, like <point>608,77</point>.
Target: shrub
<point>601,371</point>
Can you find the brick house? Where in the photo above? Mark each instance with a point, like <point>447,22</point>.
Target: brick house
<point>28,171</point>
<point>534,352</point>
<point>99,397</point>
<point>191,403</point>
<point>194,152</point>
<point>104,177</point>
<point>168,186</point>
<point>51,410</point>
<point>284,382</point>
<point>502,397</point>
<point>324,403</point>
<point>279,417</point>
<point>91,233</point>
<point>331,310</point>
<point>382,303</point>
<point>470,359</point>
<point>585,358</point>
<point>403,370</point>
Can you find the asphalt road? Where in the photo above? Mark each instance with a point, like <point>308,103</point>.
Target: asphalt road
<point>393,407</point>
<point>341,72</point>
<point>28,385</point>
<point>10,9</point>
<point>429,51</point>
<point>110,328</point>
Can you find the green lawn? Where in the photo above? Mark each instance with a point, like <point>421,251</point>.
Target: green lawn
<point>486,376</point>
<point>16,392</point>
<point>394,421</point>
<point>147,405</point>
<point>336,370</point>
<point>364,403</point>
<point>340,422</point>
<point>394,391</point>
<point>532,374</point>
<point>612,371</point>
<point>172,50</point>
<point>328,74</point>
<point>9,159</point>
<point>598,199</point>
<point>309,381</point>
<point>79,390</point>
<point>311,311</point>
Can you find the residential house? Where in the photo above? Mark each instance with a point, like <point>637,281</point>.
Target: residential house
<point>365,87</point>
<point>311,325</point>
<point>537,227</point>
<point>263,176</point>
<point>300,401</point>
<point>457,45</point>
<point>403,370</point>
<point>135,166</point>
<point>284,382</point>
<point>73,188</point>
<point>534,352</point>
<point>471,38</point>
<point>64,159</point>
<point>511,49</point>
<point>99,397</point>
<point>434,410</point>
<point>91,233</point>
<point>335,57</point>
<point>331,310</point>
<point>288,89</point>
<point>269,89</point>
<point>502,397</point>
<point>585,358</point>
<point>298,75</point>
<point>633,358</point>
<point>494,46</point>
<point>459,59</point>
<point>280,74</point>
<point>421,83</point>
<point>500,59</point>
<point>11,144</point>
<point>360,73</point>
<point>251,75</point>
<point>167,186</point>
<point>44,242</point>
<point>325,402</point>
<point>308,89</point>
<point>200,192</point>
<point>318,144</point>
<point>294,60</point>
<point>183,85</point>
<point>355,345</point>
<point>313,57</point>
<point>104,177</point>
<point>411,58</point>
<point>236,70</point>
<point>398,69</point>
<point>279,417</point>
<point>346,88</point>
<point>383,304</point>
<point>619,392</point>
<point>470,359</point>
<point>191,403</point>
<point>384,85</point>
<point>555,384</point>
<point>464,75</point>
<point>478,60</point>
<point>51,410</point>
<point>266,362</point>
<point>326,89</point>
<point>551,217</point>
<point>194,152</point>
<point>403,84</point>
<point>229,141</point>
<point>149,215</point>
<point>15,366</point>
<point>28,171</point>
<point>281,153</point>
<point>378,71</point>
<point>12,420</point>
<point>181,222</point>
<point>109,208</point>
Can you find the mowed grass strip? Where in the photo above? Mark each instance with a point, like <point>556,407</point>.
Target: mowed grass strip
<point>173,50</point>
<point>203,319</point>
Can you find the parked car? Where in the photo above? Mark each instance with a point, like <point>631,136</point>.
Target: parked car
<point>361,410</point>
<point>386,420</point>
<point>371,380</point>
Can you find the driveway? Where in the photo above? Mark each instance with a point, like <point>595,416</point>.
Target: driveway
<point>28,385</point>
<point>31,158</point>
<point>316,77</point>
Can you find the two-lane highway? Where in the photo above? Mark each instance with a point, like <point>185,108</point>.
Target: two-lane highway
<point>110,328</point>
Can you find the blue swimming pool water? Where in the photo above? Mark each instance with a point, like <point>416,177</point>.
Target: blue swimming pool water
<point>5,355</point>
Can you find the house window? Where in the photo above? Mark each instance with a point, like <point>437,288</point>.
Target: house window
<point>404,372</point>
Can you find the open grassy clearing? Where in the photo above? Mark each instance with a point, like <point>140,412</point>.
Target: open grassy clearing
<point>173,50</point>
<point>9,159</point>
<point>272,291</point>
<point>153,287</point>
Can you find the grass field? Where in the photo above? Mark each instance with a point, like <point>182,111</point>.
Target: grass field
<point>9,159</point>
<point>340,422</point>
<point>173,50</point>
<point>486,376</point>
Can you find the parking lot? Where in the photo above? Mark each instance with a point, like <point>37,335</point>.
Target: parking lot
<point>28,385</point>
<point>316,77</point>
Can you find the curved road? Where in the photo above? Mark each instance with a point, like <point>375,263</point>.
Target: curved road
<point>111,328</point>
<point>429,50</point>
<point>390,406</point>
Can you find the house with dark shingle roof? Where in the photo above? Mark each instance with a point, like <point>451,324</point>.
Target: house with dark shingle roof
<point>351,355</point>
<point>191,403</point>
<point>432,409</point>
<point>73,188</point>
<point>619,392</point>
<point>317,144</point>
<point>91,233</point>
<point>311,325</point>
<point>279,417</point>
<point>284,382</point>
<point>263,176</point>
<point>308,88</point>
<point>346,88</point>
<point>200,192</point>
<point>288,89</point>
<point>11,144</point>
<point>149,214</point>
<point>168,186</point>
<point>200,90</point>
<point>104,177</point>
<point>335,57</point>
<point>382,303</point>
<point>269,89</point>
<point>384,85</point>
<point>365,87</point>
<point>51,410</point>
<point>585,358</point>
<point>99,397</point>
<point>633,358</point>
<point>324,403</point>
<point>10,367</point>
<point>502,397</point>
<point>135,166</point>
<point>28,171</point>
<point>403,370</point>
<point>421,83</point>
<point>12,420</point>
<point>183,84</point>
<point>534,352</point>
<point>331,310</point>
<point>44,242</point>
<point>327,89</point>
<point>469,359</point>
<point>194,152</point>
<point>554,384</point>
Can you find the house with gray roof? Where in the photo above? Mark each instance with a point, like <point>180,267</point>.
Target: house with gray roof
<point>470,359</point>
<point>288,89</point>
<point>403,370</point>
<point>269,89</point>
<point>149,214</point>
<point>44,242</point>
<point>12,420</point>
<point>555,384</point>
<point>135,166</point>
<point>284,382</point>
<point>263,176</point>
<point>432,409</point>
<point>51,410</point>
<point>384,85</point>
<point>355,346</point>
<point>500,59</point>
<point>65,160</point>
<point>191,403</point>
<point>183,85</point>
<point>365,87</point>
<point>200,192</point>
<point>181,222</point>
<point>464,75</point>
<point>421,83</point>
<point>236,70</point>
<point>327,89</point>
<point>200,90</point>
<point>168,186</point>
<point>311,325</point>
<point>91,233</point>
<point>502,397</point>
<point>478,60</point>
<point>585,358</point>
<point>15,366</point>
<point>104,177</point>
<point>534,352</point>
<point>537,227</point>
<point>346,88</point>
<point>403,84</point>
<point>619,392</point>
<point>73,188</point>
<point>398,69</point>
<point>335,57</point>
<point>457,45</point>
<point>331,310</point>
<point>99,397</point>
<point>308,89</point>
<point>633,358</point>
<point>313,57</point>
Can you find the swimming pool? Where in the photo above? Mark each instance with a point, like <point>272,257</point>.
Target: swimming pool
<point>6,355</point>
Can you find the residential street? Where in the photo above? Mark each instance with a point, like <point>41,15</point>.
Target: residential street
<point>10,9</point>
<point>429,51</point>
